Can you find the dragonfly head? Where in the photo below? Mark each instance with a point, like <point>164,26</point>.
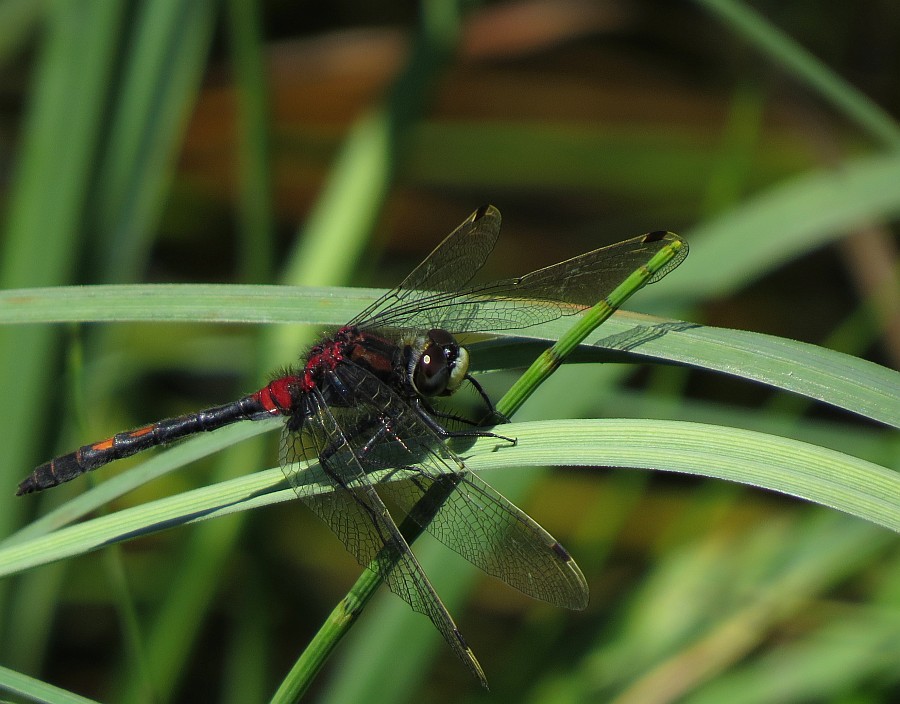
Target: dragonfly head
<point>438,364</point>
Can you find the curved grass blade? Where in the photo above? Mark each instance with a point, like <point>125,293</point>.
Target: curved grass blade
<point>810,472</point>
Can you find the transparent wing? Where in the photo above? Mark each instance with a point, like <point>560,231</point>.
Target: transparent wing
<point>482,525</point>
<point>357,515</point>
<point>474,520</point>
<point>449,267</point>
<point>538,297</point>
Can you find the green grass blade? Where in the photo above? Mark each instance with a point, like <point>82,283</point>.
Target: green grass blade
<point>35,690</point>
<point>257,223</point>
<point>809,70</point>
<point>835,378</point>
<point>787,220</point>
<point>43,210</point>
<point>797,558</point>
<point>161,76</point>
<point>787,466</point>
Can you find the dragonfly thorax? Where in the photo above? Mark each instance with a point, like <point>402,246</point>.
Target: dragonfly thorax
<point>436,364</point>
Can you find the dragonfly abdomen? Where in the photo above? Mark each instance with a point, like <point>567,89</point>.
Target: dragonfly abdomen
<point>121,445</point>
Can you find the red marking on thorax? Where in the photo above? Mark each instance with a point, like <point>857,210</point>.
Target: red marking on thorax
<point>277,397</point>
<point>373,359</point>
<point>326,356</point>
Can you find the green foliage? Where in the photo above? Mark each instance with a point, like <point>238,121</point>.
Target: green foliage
<point>701,590</point>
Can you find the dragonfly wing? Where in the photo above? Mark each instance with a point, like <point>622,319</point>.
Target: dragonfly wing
<point>484,527</point>
<point>358,516</point>
<point>543,295</point>
<point>588,278</point>
<point>449,267</point>
<point>474,519</point>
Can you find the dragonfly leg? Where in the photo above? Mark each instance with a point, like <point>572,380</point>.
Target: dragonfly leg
<point>443,415</point>
<point>427,414</point>
<point>492,410</point>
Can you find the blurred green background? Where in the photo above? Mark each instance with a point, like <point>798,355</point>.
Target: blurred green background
<point>336,144</point>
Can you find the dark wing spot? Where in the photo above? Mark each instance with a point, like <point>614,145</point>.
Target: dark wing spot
<point>562,552</point>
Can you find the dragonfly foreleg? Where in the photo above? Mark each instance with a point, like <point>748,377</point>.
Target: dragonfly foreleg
<point>427,413</point>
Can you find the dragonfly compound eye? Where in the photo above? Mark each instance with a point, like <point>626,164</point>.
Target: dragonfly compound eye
<point>432,370</point>
<point>441,365</point>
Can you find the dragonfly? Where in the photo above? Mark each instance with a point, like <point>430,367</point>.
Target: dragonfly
<point>366,398</point>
